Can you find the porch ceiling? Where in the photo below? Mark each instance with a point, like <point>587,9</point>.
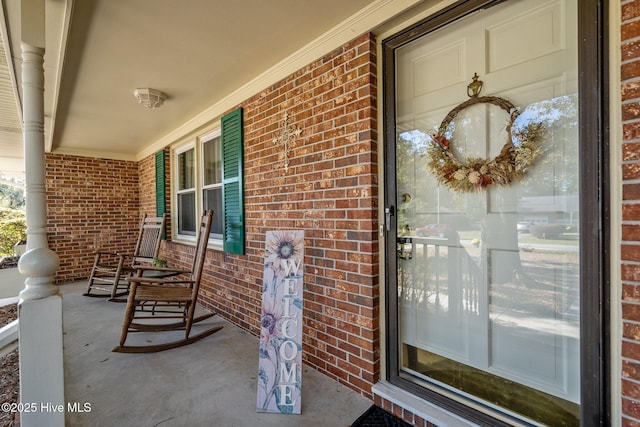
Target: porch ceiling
<point>99,51</point>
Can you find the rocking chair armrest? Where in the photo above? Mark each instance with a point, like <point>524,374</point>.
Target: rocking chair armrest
<point>154,274</point>
<point>167,270</point>
<point>113,253</point>
<point>105,253</point>
<point>158,282</point>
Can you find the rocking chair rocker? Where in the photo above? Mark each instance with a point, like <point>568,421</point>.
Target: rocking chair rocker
<point>110,270</point>
<point>155,299</point>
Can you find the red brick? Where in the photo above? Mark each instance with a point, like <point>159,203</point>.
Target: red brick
<point>630,111</point>
<point>631,407</point>
<point>626,422</point>
<point>631,192</point>
<point>631,212</point>
<point>630,50</point>
<point>631,311</point>
<point>631,331</point>
<point>630,349</point>
<point>629,31</point>
<point>631,370</point>
<point>630,152</point>
<point>629,70</point>
<point>631,171</point>
<point>630,252</point>
<point>630,232</point>
<point>630,389</point>
<point>630,293</point>
<point>631,131</point>
<point>630,10</point>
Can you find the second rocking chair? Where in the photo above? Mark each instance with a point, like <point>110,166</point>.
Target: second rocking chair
<point>111,270</point>
<point>152,300</point>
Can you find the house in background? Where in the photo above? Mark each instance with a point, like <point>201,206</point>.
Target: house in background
<point>322,117</point>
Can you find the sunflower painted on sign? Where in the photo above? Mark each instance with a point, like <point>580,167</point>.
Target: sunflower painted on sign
<point>282,248</point>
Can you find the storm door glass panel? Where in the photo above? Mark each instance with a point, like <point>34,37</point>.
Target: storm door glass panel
<point>186,193</point>
<point>212,184</point>
<point>488,274</point>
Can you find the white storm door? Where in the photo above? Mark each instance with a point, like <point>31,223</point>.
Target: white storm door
<point>476,285</point>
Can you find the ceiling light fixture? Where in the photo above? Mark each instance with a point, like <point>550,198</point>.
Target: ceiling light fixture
<point>150,98</point>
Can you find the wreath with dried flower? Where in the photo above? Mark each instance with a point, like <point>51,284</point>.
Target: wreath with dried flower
<point>522,148</point>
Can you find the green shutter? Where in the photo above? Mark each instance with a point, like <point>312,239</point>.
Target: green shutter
<point>232,182</point>
<point>161,198</point>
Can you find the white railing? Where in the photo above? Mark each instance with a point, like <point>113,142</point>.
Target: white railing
<point>11,283</point>
<point>8,338</point>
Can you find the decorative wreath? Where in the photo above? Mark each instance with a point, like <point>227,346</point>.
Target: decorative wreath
<point>474,174</point>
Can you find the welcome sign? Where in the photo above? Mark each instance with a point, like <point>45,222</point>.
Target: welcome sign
<point>280,355</point>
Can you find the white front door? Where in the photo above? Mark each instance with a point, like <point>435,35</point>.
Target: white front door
<point>488,278</point>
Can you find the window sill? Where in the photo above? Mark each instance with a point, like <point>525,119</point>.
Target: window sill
<point>184,241</point>
<point>215,245</point>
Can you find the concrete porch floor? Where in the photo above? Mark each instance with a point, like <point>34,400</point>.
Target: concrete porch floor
<point>212,382</point>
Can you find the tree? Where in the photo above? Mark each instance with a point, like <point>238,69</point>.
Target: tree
<point>13,229</point>
<point>11,195</point>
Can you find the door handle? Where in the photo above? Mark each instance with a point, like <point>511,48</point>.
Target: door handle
<point>388,212</point>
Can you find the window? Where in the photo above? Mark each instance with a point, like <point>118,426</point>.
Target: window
<point>212,183</point>
<point>186,195</point>
<point>209,173</point>
<point>202,160</point>
<point>493,311</point>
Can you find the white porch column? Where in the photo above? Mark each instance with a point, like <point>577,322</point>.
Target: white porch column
<point>39,263</point>
<point>40,306</point>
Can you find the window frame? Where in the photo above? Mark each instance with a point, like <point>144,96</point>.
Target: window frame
<point>595,402</point>
<point>215,240</point>
<point>197,144</point>
<point>182,149</point>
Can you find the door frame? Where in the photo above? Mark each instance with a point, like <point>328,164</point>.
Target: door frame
<point>595,376</point>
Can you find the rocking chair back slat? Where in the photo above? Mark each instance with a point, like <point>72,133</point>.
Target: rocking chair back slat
<point>201,248</point>
<point>148,244</point>
<point>111,270</point>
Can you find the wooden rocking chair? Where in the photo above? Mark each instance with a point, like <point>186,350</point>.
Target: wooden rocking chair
<point>155,299</point>
<point>110,270</point>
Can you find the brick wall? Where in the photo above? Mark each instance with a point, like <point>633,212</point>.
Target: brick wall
<point>91,204</point>
<point>147,185</point>
<point>630,269</point>
<point>331,192</point>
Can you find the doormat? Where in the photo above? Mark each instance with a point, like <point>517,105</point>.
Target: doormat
<point>378,417</point>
